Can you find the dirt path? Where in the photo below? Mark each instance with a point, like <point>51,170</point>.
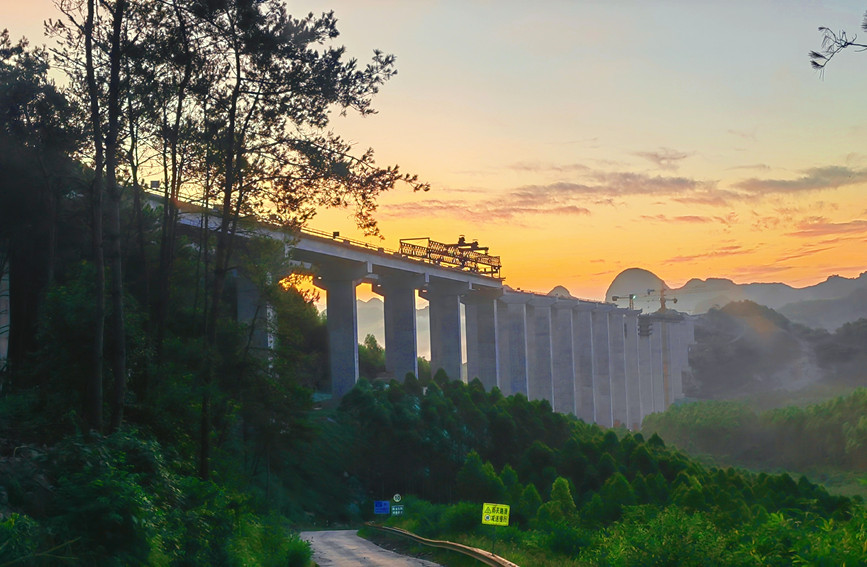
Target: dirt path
<point>345,549</point>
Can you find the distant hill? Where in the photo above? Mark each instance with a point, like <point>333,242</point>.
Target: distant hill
<point>828,314</point>
<point>826,305</point>
<point>745,350</point>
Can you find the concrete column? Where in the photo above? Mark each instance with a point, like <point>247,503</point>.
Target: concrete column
<point>562,344</point>
<point>512,342</point>
<point>540,349</point>
<point>678,358</point>
<point>445,329</point>
<point>342,325</point>
<point>250,309</point>
<point>480,312</point>
<point>401,352</point>
<point>617,367</point>
<point>602,404</point>
<point>584,360</point>
<point>633,385</point>
<point>645,375</point>
<point>659,346</point>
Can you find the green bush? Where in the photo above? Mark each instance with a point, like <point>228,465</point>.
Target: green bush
<point>20,538</point>
<point>461,518</point>
<point>267,542</point>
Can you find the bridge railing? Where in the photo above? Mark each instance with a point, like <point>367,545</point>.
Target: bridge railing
<point>434,253</point>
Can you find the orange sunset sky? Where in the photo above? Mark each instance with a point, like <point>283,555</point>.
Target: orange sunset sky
<point>581,138</point>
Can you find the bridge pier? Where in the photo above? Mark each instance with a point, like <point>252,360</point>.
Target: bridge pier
<point>480,315</point>
<point>512,343</point>
<point>633,378</point>
<point>584,344</point>
<point>659,363</point>
<point>342,325</point>
<point>540,349</point>
<point>617,367</point>
<point>645,371</point>
<point>562,350</point>
<point>445,327</point>
<point>603,410</point>
<point>401,349</point>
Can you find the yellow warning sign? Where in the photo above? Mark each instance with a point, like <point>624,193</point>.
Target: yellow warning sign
<point>495,514</point>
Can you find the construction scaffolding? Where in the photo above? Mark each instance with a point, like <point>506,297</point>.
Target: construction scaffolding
<point>468,256</point>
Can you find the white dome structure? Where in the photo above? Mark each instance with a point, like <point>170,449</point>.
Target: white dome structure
<point>643,284</point>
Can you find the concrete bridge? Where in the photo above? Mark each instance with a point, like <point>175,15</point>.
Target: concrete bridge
<point>603,363</point>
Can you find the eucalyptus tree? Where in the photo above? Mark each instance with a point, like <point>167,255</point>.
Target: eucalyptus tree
<point>38,139</point>
<point>233,99</point>
<point>275,81</point>
<point>91,52</point>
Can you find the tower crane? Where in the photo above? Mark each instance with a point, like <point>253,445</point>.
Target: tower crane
<point>631,297</point>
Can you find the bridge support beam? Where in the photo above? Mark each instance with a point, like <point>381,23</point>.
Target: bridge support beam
<point>604,414</point>
<point>342,325</point>
<point>540,362</point>
<point>617,367</point>
<point>512,342</point>
<point>480,313</point>
<point>659,362</point>
<point>633,379</point>
<point>646,376</point>
<point>584,360</point>
<point>401,350</point>
<point>679,357</point>
<point>445,328</point>
<point>562,346</point>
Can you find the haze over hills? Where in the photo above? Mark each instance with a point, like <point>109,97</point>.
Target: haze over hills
<point>826,305</point>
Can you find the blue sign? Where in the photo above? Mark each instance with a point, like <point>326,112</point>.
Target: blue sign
<point>381,507</point>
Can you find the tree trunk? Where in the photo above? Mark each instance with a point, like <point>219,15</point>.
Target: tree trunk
<point>93,393</point>
<point>115,258</point>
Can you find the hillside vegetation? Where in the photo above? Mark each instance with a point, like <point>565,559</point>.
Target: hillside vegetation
<point>751,352</point>
<point>827,436</point>
<point>579,494</point>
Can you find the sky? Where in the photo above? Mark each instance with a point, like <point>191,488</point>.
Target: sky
<point>577,139</point>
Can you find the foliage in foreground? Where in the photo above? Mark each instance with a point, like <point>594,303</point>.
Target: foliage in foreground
<point>114,501</point>
<point>650,535</point>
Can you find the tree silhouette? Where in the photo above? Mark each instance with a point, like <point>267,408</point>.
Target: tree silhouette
<point>833,43</point>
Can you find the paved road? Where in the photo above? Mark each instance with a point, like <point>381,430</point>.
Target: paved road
<point>345,549</point>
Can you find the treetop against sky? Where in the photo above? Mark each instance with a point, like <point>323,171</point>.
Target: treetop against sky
<point>578,139</point>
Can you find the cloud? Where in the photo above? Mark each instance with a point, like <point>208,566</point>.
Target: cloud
<point>804,252</point>
<point>819,226</point>
<point>665,158</point>
<point>691,219</point>
<point>491,209</point>
<point>815,179</point>
<point>721,252</point>
<point>758,166</point>
<point>599,187</point>
<point>536,167</point>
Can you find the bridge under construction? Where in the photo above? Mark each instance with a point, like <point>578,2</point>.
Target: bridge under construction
<point>603,363</point>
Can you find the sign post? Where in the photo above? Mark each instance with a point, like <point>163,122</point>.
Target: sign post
<point>495,515</point>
